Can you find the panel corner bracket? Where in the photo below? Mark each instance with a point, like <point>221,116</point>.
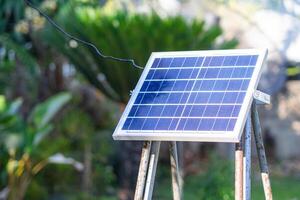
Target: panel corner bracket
<point>261,97</point>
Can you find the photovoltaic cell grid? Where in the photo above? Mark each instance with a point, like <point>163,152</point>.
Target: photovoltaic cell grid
<point>192,94</point>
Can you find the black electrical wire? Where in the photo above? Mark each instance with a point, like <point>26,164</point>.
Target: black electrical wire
<point>60,29</point>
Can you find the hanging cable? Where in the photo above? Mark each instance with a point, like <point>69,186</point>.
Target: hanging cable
<point>60,29</point>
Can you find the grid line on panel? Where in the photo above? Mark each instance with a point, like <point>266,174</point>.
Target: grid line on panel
<point>164,107</point>
<point>174,91</point>
<point>156,94</point>
<point>192,89</point>
<point>209,96</point>
<point>240,89</point>
<point>159,60</point>
<point>224,97</point>
<point>201,60</point>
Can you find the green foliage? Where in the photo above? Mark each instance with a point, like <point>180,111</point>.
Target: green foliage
<point>128,36</point>
<point>217,182</point>
<point>20,138</point>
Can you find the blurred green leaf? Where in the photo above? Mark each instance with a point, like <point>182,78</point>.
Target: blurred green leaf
<point>43,113</point>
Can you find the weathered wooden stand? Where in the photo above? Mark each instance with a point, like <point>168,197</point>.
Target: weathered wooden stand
<point>147,171</point>
<point>150,153</point>
<point>243,155</point>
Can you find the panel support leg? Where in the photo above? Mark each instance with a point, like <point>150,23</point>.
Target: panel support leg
<point>141,179</point>
<point>247,160</point>
<point>152,170</point>
<point>175,172</point>
<point>261,153</point>
<point>239,170</point>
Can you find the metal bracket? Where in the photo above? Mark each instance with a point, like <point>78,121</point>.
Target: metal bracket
<point>261,97</point>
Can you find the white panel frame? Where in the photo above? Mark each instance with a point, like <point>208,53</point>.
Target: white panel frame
<point>200,136</point>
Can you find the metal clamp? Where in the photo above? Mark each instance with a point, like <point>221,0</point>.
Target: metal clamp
<point>261,97</point>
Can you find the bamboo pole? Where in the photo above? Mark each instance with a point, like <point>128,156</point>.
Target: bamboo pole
<point>239,170</point>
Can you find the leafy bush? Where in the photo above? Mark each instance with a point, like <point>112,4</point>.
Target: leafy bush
<point>125,35</point>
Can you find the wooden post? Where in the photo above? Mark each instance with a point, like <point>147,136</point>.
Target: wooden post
<point>140,184</point>
<point>175,172</point>
<point>247,160</point>
<point>263,164</point>
<point>239,170</point>
<point>152,170</point>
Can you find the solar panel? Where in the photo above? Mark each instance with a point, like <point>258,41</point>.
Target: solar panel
<point>192,96</point>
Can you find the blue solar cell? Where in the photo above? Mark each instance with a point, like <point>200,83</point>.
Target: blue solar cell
<point>231,125</point>
<point>206,124</point>
<point>230,97</point>
<point>240,97</point>
<point>169,111</point>
<point>145,85</point>
<point>184,97</point>
<point>216,97</point>
<point>235,84</point>
<point>190,62</point>
<point>172,74</point>
<point>178,111</point>
<point>245,84</point>
<point>148,98</point>
<point>253,60</point>
<point>167,85</point>
<point>150,124</point>
<point>239,72</point>
<point>180,85</point>
<point>174,98</point>
<point>154,86</point>
<point>243,61</point>
<point>202,97</point>
<point>137,124</point>
<point>212,73</point>
<point>173,124</point>
<point>192,97</point>
<point>221,85</point>
<point>199,62</point>
<point>189,85</point>
<point>194,73</point>
<point>187,110</point>
<point>211,111</point>
<point>225,72</point>
<point>207,61</point>
<point>181,124</point>
<point>191,124</point>
<point>142,111</point>
<point>139,98</point>
<point>160,98</point>
<point>164,62</point>
<point>249,72</point>
<point>225,111</point>
<point>133,111</point>
<point>163,124</point>
<point>159,74</point>
<point>236,111</point>
<point>220,124</point>
<point>150,74</point>
<point>197,111</point>
<point>230,60</point>
<point>216,61</point>
<point>177,62</point>
<point>127,124</point>
<point>155,111</point>
<point>207,85</point>
<point>155,63</point>
<point>202,73</point>
<point>185,73</point>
